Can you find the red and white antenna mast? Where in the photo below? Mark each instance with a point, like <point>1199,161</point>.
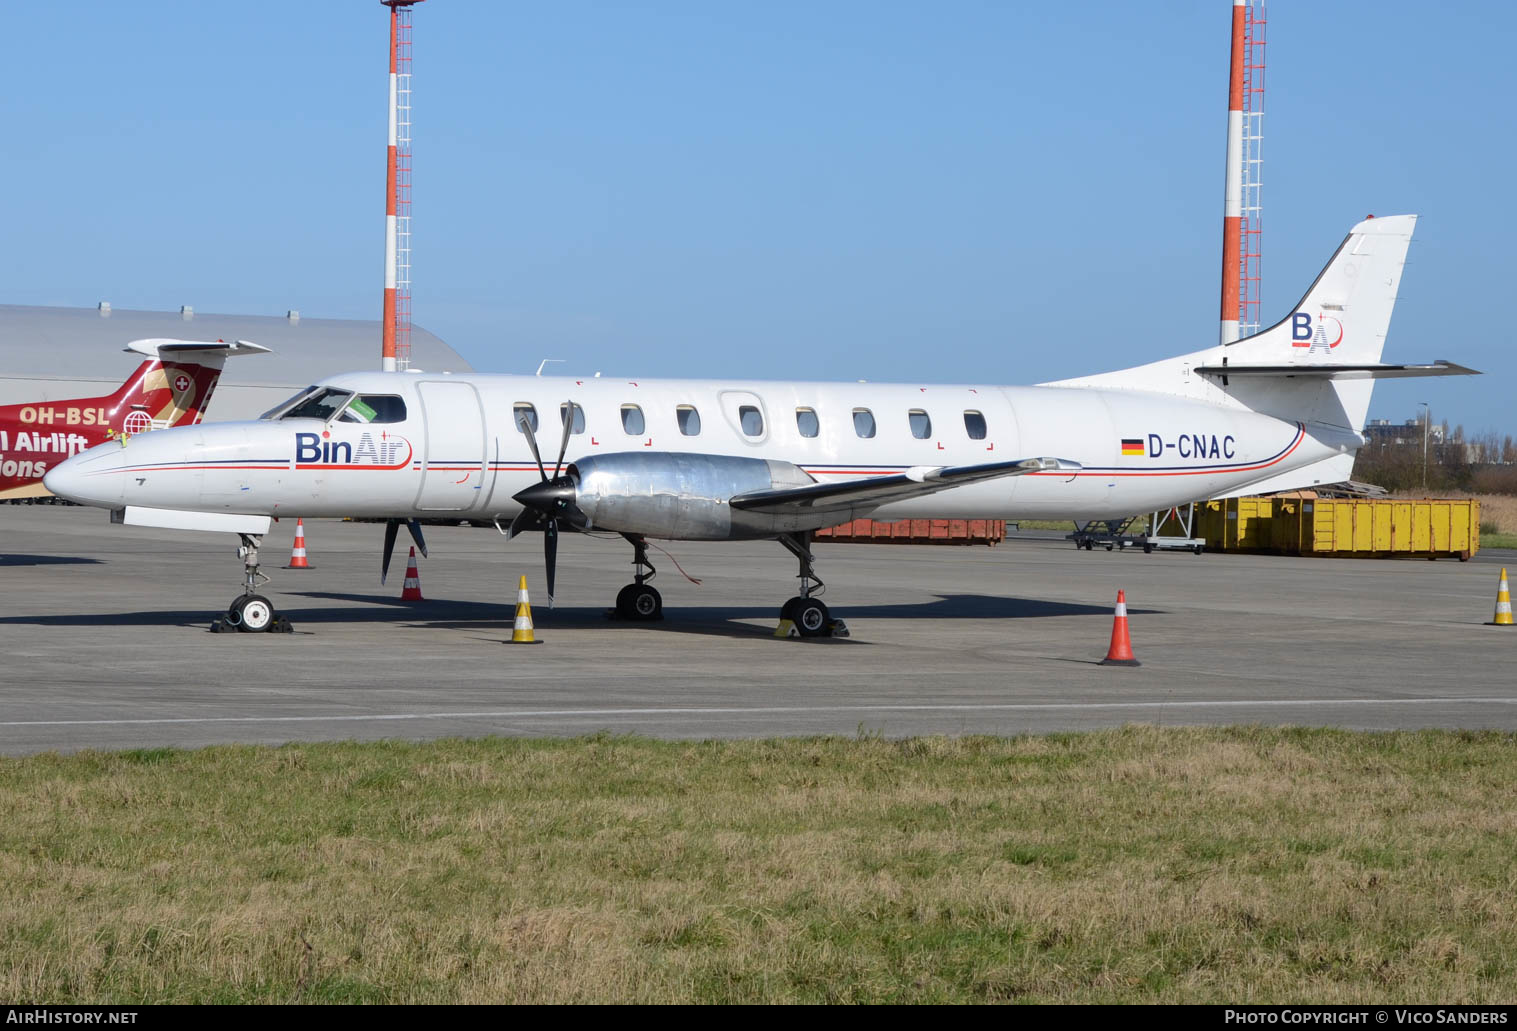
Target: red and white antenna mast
<point>1241,227</point>
<point>396,332</point>
<point>1251,225</point>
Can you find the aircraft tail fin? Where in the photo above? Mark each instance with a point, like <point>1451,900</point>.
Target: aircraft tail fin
<point>1318,364</point>
<point>173,387</point>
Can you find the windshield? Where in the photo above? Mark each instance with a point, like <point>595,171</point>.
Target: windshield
<point>273,413</point>
<point>323,404</point>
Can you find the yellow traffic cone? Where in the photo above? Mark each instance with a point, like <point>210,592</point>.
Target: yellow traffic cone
<point>522,632</point>
<point>1503,615</point>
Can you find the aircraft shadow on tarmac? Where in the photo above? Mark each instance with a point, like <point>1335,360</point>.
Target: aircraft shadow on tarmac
<point>720,620</point>
<point>47,560</point>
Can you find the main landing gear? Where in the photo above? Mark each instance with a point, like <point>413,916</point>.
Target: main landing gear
<point>251,612</point>
<point>810,617</point>
<point>638,602</point>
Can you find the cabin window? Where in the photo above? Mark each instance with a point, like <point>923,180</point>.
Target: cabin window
<point>806,422</point>
<point>921,424</point>
<point>751,420</point>
<point>863,422</point>
<point>632,420</point>
<point>689,420</point>
<point>579,416</point>
<point>523,412</point>
<point>372,408</point>
<point>974,425</point>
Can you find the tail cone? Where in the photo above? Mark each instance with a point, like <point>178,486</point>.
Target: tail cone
<point>1120,652</point>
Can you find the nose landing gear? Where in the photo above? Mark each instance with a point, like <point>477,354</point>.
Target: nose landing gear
<point>251,612</point>
<point>809,615</point>
<point>638,602</point>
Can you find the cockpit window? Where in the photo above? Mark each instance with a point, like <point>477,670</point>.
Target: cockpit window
<point>375,408</point>
<point>288,403</point>
<point>323,404</point>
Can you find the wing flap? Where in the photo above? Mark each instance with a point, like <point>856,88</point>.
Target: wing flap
<point>879,490</point>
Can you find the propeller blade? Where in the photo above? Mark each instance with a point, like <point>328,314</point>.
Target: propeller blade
<point>526,431</point>
<point>526,519</point>
<point>391,526</point>
<point>563,447</point>
<point>550,553</point>
<point>415,529</point>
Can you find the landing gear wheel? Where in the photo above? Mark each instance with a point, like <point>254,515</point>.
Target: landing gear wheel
<point>810,616</point>
<point>787,610</point>
<point>639,603</point>
<point>255,614</point>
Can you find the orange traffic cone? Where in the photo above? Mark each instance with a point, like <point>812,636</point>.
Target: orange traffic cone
<point>1503,616</point>
<point>298,553</point>
<point>1120,652</point>
<point>412,588</point>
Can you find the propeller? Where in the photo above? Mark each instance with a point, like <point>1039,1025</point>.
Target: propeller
<point>544,504</point>
<point>392,526</point>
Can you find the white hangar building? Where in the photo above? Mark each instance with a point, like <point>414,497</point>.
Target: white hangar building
<point>49,354</point>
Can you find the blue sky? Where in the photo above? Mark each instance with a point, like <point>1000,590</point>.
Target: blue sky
<point>994,192</point>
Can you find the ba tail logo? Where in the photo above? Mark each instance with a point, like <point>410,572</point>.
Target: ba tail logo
<point>1319,337</point>
<point>319,451</point>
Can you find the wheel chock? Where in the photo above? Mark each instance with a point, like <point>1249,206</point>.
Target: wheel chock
<point>787,628</point>
<point>280,625</point>
<point>837,628</point>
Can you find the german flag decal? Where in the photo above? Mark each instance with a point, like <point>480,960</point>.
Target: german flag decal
<point>1132,446</point>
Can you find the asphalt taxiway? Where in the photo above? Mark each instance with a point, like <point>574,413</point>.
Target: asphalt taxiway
<point>103,640</point>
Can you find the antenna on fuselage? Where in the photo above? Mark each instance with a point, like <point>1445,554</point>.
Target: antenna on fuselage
<point>545,361</point>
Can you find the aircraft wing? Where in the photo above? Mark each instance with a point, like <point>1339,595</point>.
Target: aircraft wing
<point>879,490</point>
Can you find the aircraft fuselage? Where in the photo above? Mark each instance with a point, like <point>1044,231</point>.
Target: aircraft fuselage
<point>448,446</point>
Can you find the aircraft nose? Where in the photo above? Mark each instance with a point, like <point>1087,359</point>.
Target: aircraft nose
<point>94,477</point>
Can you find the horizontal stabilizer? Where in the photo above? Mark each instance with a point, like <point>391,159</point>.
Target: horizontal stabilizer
<point>879,490</point>
<point>1374,370</point>
<point>163,348</point>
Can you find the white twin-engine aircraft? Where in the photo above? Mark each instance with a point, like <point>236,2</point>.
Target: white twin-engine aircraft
<point>717,460</point>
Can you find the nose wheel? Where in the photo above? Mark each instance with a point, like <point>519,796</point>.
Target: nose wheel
<point>251,612</point>
<point>638,602</point>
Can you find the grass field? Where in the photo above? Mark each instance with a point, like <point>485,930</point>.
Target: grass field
<point>1134,865</point>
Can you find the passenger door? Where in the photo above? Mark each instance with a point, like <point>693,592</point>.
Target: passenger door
<point>453,475</point>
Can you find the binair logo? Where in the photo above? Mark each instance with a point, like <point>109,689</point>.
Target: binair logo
<point>1316,338</point>
<point>319,451</point>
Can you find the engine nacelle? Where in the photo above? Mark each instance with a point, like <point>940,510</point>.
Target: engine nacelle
<point>668,495</point>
